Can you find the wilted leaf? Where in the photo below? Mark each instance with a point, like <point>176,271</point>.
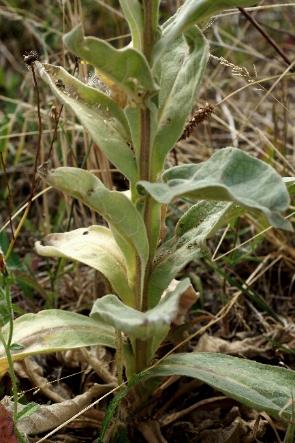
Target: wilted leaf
<point>94,246</point>
<point>126,67</point>
<point>125,220</point>
<point>180,71</point>
<point>54,330</point>
<point>47,417</point>
<point>136,324</point>
<point>98,113</point>
<point>229,175</point>
<point>263,387</point>
<point>249,347</point>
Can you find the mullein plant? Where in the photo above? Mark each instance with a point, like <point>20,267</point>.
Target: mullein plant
<point>149,90</point>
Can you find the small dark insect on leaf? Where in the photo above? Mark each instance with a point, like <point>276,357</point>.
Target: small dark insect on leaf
<point>59,84</point>
<point>31,57</point>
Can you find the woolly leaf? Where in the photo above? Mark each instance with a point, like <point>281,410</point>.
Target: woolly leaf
<point>229,175</point>
<point>98,113</point>
<point>263,387</point>
<point>54,330</point>
<point>94,246</point>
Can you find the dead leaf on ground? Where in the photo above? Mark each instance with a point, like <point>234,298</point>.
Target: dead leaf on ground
<point>239,425</point>
<point>249,347</point>
<point>151,431</point>
<point>284,336</point>
<point>51,416</point>
<point>35,374</point>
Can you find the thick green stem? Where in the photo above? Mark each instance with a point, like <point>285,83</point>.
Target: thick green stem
<point>148,36</point>
<point>141,347</point>
<point>146,175</point>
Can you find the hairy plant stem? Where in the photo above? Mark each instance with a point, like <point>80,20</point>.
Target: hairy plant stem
<point>148,35</point>
<point>142,347</point>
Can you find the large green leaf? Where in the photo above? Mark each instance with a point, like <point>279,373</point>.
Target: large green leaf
<point>94,246</point>
<point>126,67</point>
<point>54,330</point>
<point>136,324</point>
<point>263,387</point>
<point>98,113</point>
<point>199,223</point>
<point>124,219</point>
<point>180,71</point>
<point>229,175</point>
<point>190,13</point>
<point>205,218</point>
